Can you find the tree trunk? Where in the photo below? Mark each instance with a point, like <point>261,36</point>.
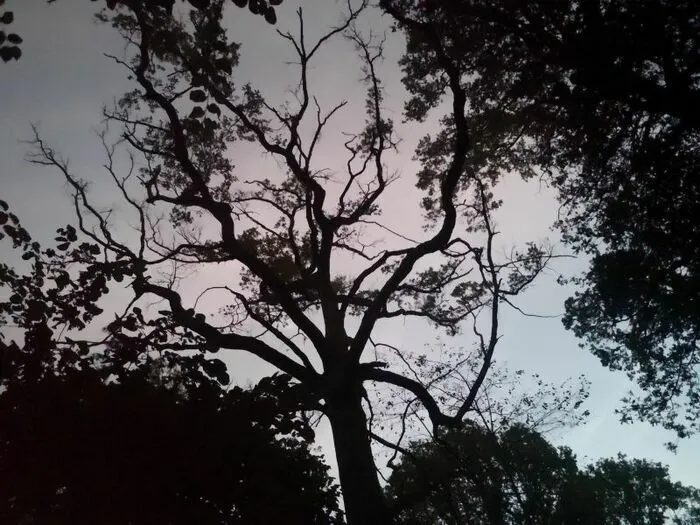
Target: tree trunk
<point>364,499</point>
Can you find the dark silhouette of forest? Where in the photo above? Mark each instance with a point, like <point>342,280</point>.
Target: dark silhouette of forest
<point>135,419</point>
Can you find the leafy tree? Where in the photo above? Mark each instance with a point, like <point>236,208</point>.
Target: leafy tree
<point>293,247</point>
<point>76,450</point>
<point>516,477</point>
<point>602,99</point>
<point>85,439</point>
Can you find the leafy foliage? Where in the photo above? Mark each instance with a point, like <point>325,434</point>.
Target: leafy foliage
<point>515,476</point>
<point>91,435</point>
<point>601,99</point>
<point>153,448</point>
<point>9,43</point>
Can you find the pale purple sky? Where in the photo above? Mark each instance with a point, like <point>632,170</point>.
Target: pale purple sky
<point>63,80</point>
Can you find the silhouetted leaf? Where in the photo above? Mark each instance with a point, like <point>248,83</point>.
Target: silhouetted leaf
<point>255,6</point>
<point>14,38</point>
<point>7,17</point>
<point>270,15</point>
<point>198,95</point>
<point>10,53</point>
<point>197,112</point>
<point>216,369</point>
<point>213,108</point>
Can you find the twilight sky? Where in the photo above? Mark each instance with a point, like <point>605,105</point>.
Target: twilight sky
<point>63,80</point>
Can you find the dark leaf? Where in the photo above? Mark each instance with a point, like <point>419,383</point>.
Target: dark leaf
<point>10,53</point>
<point>7,17</point>
<point>14,38</point>
<point>198,95</point>
<point>197,112</point>
<point>216,369</point>
<point>255,6</point>
<point>71,234</point>
<point>270,15</point>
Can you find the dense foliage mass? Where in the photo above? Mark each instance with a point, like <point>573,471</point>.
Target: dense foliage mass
<point>474,476</point>
<point>85,439</point>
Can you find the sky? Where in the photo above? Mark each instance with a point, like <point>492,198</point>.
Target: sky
<point>64,79</point>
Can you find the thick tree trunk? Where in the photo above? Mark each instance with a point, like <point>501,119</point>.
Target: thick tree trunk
<point>365,503</point>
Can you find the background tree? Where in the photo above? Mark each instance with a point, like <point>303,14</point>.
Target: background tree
<point>515,476</point>
<point>85,439</point>
<point>599,98</point>
<point>299,237</point>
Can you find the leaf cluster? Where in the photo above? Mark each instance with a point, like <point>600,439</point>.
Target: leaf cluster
<point>515,476</point>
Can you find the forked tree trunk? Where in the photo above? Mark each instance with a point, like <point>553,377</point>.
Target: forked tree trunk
<point>364,499</point>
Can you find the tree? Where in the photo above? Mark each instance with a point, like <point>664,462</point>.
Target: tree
<point>74,449</point>
<point>515,476</point>
<point>599,98</point>
<point>85,439</point>
<point>286,234</point>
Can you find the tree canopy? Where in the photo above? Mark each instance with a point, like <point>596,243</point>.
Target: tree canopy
<point>74,449</point>
<point>85,439</point>
<point>515,476</point>
<point>601,100</point>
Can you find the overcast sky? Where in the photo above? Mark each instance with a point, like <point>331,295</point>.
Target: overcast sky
<point>63,80</point>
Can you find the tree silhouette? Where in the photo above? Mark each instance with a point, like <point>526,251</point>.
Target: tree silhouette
<point>75,449</point>
<point>515,476</point>
<point>601,99</point>
<point>282,237</point>
<point>84,438</point>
